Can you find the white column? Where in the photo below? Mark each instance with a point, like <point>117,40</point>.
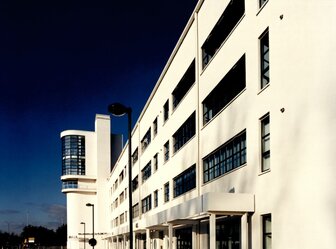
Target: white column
<point>170,236</point>
<point>244,232</point>
<point>165,240</point>
<point>174,245</point>
<point>148,239</point>
<point>195,237</point>
<point>212,231</point>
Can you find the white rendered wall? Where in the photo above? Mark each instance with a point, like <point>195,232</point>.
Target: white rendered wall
<point>299,190</point>
<point>91,187</point>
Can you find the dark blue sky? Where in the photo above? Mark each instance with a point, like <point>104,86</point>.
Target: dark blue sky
<point>61,62</point>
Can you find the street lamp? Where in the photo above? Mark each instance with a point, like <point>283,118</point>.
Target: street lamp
<point>118,110</point>
<point>92,241</point>
<point>83,223</point>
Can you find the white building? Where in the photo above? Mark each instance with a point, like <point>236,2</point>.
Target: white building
<point>234,148</point>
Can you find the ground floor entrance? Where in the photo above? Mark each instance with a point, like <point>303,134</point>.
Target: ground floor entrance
<point>215,231</point>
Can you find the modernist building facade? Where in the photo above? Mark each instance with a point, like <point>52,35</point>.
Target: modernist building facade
<point>234,147</point>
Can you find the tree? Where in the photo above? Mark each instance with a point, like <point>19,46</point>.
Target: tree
<point>9,239</point>
<point>46,237</point>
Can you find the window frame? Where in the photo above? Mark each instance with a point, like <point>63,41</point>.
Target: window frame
<point>146,204</point>
<point>166,192</point>
<point>156,198</point>
<point>155,127</point>
<point>185,181</point>
<point>184,133</point>
<point>265,154</point>
<point>232,84</point>
<point>156,162</point>
<point>146,172</point>
<point>135,156</point>
<point>135,210</point>
<point>146,140</point>
<point>262,3</point>
<point>263,53</point>
<point>222,30</point>
<point>226,158</point>
<point>166,111</point>
<point>184,85</point>
<point>266,234</point>
<point>135,183</point>
<point>166,153</point>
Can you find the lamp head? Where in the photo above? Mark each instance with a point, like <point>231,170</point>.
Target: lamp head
<point>83,223</point>
<point>118,109</point>
<point>89,205</point>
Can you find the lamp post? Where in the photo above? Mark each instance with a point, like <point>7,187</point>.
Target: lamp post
<point>92,241</point>
<point>83,223</point>
<point>118,110</point>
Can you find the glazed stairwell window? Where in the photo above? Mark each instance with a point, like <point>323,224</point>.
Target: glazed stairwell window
<point>73,155</point>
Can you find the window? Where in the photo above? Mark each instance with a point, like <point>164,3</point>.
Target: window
<point>267,231</point>
<point>156,198</point>
<point>226,90</point>
<point>184,85</point>
<point>135,210</point>
<point>121,176</point>
<point>135,183</point>
<point>122,218</point>
<point>146,140</point>
<point>264,59</point>
<point>184,133</point>
<point>185,181</point>
<point>262,2</point>
<point>135,156</point>
<point>155,162</point>
<point>166,111</point>
<point>146,172</point>
<point>166,151</point>
<point>121,197</point>
<point>229,156</point>
<point>184,238</point>
<point>166,192</point>
<point>228,232</point>
<point>69,184</point>
<point>73,155</point>
<point>146,204</point>
<point>226,23</point>
<point>155,127</point>
<point>265,143</point>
